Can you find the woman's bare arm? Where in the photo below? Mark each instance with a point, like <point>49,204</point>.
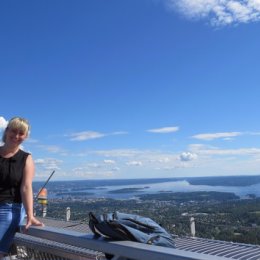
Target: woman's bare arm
<point>27,193</point>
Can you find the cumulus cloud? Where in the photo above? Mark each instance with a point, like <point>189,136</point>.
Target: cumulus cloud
<point>212,136</point>
<point>106,161</point>
<point>164,130</point>
<point>94,165</point>
<point>164,160</point>
<point>39,161</point>
<point>80,172</point>
<point>48,163</point>
<point>219,12</point>
<point>3,123</point>
<point>134,163</point>
<point>187,156</point>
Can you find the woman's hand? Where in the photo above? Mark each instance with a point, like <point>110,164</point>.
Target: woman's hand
<point>33,222</point>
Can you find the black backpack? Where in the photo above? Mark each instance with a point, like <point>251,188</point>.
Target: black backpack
<point>123,226</point>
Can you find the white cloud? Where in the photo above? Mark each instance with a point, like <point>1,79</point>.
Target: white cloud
<point>210,150</point>
<point>219,12</point>
<point>39,161</point>
<point>187,156</point>
<point>109,161</point>
<point>241,151</point>
<point>3,123</point>
<point>119,133</point>
<point>118,153</point>
<point>164,160</point>
<point>93,165</point>
<point>164,130</point>
<point>134,163</point>
<point>87,135</point>
<point>81,172</point>
<point>197,159</point>
<point>53,149</point>
<point>48,163</point>
<point>212,136</point>
<point>115,169</point>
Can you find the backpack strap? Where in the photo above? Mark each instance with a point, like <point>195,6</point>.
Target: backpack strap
<point>122,230</point>
<point>92,223</point>
<point>109,228</point>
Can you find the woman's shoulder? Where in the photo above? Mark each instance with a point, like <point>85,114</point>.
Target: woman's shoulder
<point>21,153</point>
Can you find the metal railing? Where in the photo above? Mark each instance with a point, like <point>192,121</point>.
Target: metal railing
<point>56,243</point>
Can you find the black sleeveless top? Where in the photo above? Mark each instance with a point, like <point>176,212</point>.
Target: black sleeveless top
<point>11,175</point>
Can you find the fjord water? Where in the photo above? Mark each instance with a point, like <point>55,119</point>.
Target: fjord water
<point>126,189</point>
<point>176,186</point>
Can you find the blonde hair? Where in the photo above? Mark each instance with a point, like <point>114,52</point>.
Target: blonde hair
<point>18,123</point>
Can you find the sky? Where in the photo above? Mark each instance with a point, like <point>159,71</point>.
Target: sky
<point>134,88</point>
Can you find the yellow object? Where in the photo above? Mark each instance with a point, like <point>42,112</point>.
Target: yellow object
<point>42,197</point>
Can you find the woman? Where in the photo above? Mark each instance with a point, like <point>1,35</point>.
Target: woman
<point>16,175</point>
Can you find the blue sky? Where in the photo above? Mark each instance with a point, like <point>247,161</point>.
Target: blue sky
<point>134,88</point>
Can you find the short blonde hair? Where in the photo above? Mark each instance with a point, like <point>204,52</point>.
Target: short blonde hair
<point>18,123</point>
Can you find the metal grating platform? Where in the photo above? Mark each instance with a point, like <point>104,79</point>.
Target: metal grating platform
<point>219,248</point>
<point>212,248</point>
<point>29,247</point>
<point>199,245</point>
